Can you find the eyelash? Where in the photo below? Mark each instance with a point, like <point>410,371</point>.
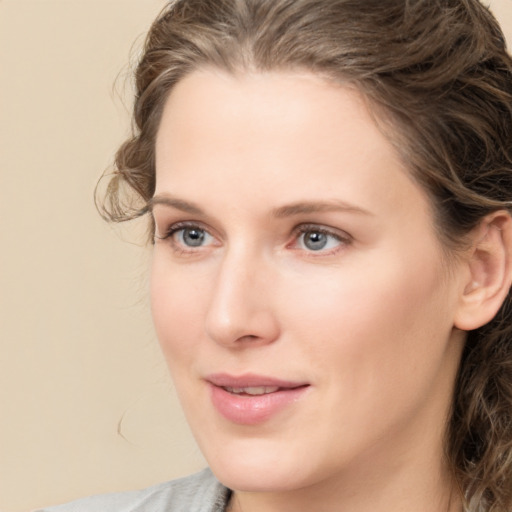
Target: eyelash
<point>343,239</point>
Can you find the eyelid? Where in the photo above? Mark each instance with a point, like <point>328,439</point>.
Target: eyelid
<point>311,226</point>
<point>176,226</point>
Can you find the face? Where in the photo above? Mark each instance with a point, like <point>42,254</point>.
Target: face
<point>299,291</point>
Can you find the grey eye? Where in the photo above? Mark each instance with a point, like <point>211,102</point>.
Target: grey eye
<point>315,240</point>
<point>192,237</point>
<point>318,239</point>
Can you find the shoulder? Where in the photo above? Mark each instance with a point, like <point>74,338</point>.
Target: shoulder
<point>201,492</point>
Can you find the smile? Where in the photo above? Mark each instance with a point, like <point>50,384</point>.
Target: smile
<point>252,399</point>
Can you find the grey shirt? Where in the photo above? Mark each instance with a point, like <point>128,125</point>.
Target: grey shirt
<point>201,492</point>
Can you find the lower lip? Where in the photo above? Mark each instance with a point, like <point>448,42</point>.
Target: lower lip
<point>251,410</point>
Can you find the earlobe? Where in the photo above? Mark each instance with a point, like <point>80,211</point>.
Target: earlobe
<point>489,266</point>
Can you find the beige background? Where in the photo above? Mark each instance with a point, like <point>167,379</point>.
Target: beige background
<point>78,353</point>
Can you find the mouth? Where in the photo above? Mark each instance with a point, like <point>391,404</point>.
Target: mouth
<point>251,399</point>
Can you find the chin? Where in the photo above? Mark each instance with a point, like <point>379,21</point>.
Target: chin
<point>260,469</point>
<point>259,480</point>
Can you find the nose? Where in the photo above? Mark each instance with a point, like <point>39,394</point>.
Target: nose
<point>241,311</point>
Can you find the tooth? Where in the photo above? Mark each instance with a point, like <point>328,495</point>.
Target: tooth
<point>253,390</point>
<point>261,390</point>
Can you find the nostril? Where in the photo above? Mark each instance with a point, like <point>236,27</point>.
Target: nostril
<point>248,337</point>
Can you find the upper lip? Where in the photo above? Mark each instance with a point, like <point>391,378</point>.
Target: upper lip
<point>248,380</point>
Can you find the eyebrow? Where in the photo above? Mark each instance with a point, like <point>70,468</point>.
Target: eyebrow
<point>305,207</point>
<point>174,202</point>
<point>290,210</point>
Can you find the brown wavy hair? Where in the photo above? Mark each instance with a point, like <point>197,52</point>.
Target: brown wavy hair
<point>439,80</point>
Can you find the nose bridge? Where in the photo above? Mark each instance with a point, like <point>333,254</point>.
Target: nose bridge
<point>240,309</point>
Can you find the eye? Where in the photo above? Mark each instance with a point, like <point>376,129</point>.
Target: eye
<point>187,236</point>
<point>318,239</point>
<point>192,236</point>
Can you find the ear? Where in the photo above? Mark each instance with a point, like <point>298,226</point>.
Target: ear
<point>488,275</point>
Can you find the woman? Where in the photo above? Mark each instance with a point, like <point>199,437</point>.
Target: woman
<point>328,184</point>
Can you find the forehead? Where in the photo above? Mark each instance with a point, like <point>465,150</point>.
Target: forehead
<point>292,133</point>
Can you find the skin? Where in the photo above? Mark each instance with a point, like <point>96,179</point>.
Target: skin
<point>367,321</point>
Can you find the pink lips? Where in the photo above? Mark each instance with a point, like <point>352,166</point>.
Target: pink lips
<point>251,399</point>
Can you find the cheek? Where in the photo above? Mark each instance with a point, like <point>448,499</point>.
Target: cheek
<point>382,320</point>
<point>379,344</point>
<point>178,305</point>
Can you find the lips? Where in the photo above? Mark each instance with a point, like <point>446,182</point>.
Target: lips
<point>252,399</point>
